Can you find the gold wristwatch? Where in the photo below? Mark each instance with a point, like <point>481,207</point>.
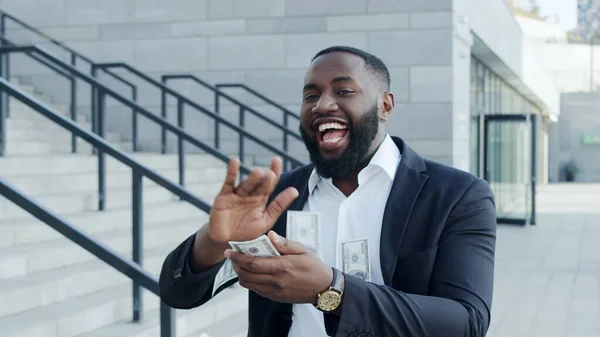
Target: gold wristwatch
<point>331,298</point>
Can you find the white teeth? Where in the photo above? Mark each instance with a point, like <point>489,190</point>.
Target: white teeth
<point>334,140</point>
<point>333,125</point>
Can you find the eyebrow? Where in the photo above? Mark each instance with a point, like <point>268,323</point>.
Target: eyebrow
<point>335,80</point>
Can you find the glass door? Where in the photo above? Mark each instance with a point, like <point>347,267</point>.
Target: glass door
<point>509,166</point>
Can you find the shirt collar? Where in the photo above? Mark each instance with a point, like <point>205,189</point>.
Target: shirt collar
<point>386,157</point>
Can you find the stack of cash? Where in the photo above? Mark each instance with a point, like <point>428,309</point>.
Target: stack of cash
<point>302,227</point>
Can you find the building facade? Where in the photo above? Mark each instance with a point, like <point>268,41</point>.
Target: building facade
<point>456,65</point>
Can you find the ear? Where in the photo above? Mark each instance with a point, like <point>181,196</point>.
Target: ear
<point>388,104</point>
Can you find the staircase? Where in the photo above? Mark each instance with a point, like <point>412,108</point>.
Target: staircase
<point>51,287</point>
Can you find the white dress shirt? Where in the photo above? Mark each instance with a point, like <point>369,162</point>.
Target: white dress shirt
<point>342,218</point>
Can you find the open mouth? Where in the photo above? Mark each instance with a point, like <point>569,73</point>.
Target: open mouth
<point>331,135</point>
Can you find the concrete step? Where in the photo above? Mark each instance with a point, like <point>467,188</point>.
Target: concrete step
<point>88,313</point>
<point>13,135</point>
<point>36,117</point>
<point>42,125</point>
<point>60,284</point>
<point>225,315</point>
<point>31,231</point>
<point>77,203</point>
<point>158,228</point>
<point>37,147</point>
<point>88,181</point>
<point>50,164</point>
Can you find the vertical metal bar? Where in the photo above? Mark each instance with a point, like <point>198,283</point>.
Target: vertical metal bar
<point>241,135</point>
<point>101,165</point>
<point>3,95</point>
<point>73,107</point>
<point>2,130</point>
<point>94,105</point>
<point>180,149</point>
<point>533,167</point>
<point>217,95</point>
<point>167,321</point>
<point>134,115</point>
<point>137,237</point>
<point>4,71</point>
<point>163,113</point>
<point>285,140</point>
<point>7,76</point>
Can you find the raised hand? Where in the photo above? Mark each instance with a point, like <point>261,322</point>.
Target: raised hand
<point>241,213</point>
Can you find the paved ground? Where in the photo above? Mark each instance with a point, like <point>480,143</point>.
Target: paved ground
<point>548,276</point>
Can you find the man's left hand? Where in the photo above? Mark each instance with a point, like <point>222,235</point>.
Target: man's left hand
<point>295,277</point>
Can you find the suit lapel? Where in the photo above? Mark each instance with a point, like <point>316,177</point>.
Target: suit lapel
<point>408,183</point>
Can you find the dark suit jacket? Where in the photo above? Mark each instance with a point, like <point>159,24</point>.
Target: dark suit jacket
<point>437,257</point>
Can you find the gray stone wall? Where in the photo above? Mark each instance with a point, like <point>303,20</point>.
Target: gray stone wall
<point>579,115</point>
<point>268,44</point>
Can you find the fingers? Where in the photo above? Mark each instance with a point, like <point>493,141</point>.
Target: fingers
<point>277,166</point>
<point>285,246</point>
<point>278,205</point>
<point>267,184</point>
<point>256,183</point>
<point>247,186</point>
<point>232,173</point>
<point>270,179</point>
<point>255,265</point>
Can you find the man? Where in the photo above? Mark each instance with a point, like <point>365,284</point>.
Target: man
<point>425,231</point>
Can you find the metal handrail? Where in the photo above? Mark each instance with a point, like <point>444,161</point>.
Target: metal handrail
<point>243,107</point>
<point>72,106</point>
<point>285,110</point>
<point>101,91</point>
<point>74,54</point>
<point>132,270</point>
<point>103,147</point>
<point>139,171</point>
<point>4,71</point>
<point>218,119</point>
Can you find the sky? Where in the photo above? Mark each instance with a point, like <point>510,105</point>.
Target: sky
<point>564,10</point>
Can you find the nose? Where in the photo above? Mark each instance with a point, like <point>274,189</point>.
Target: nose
<point>325,104</point>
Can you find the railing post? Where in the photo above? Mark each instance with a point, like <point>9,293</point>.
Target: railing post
<point>163,113</point>
<point>285,140</point>
<point>3,95</point>
<point>217,95</point>
<point>94,107</point>
<point>2,130</point>
<point>180,149</point>
<point>73,106</point>
<point>167,321</point>
<point>137,249</point>
<point>100,100</point>
<point>4,71</point>
<point>242,120</point>
<point>134,131</point>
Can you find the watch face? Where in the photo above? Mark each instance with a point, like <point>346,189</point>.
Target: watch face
<point>329,300</point>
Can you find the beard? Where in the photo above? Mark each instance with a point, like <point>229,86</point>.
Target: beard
<point>362,133</point>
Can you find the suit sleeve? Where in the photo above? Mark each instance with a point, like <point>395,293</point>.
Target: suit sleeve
<point>180,288</point>
<point>459,301</point>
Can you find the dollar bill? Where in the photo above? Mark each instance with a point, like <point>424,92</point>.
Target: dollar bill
<point>259,247</point>
<point>355,259</point>
<point>225,274</point>
<point>303,227</point>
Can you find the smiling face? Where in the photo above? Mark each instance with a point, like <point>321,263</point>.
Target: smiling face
<point>340,115</point>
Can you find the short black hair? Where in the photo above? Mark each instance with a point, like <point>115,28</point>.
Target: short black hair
<point>373,64</point>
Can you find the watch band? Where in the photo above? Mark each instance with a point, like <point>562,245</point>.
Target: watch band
<point>336,284</point>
